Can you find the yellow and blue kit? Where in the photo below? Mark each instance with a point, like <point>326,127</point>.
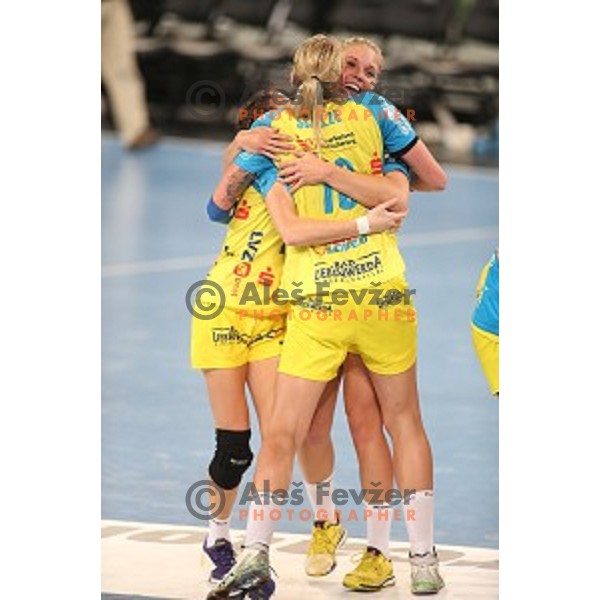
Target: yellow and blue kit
<point>485,323</point>
<point>322,325</point>
<point>248,269</point>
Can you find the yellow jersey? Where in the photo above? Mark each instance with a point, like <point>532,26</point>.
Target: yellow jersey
<point>353,137</point>
<point>250,263</point>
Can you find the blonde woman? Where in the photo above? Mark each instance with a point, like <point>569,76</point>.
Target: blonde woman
<point>362,66</point>
<point>317,454</point>
<point>238,348</point>
<point>314,349</point>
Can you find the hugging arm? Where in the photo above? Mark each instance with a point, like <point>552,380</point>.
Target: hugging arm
<point>302,231</point>
<point>427,173</point>
<point>259,140</point>
<point>231,186</point>
<point>368,190</point>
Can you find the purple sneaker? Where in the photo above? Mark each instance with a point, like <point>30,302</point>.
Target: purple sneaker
<point>222,556</point>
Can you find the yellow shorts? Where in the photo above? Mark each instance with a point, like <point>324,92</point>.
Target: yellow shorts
<point>487,347</point>
<point>235,338</point>
<point>320,334</point>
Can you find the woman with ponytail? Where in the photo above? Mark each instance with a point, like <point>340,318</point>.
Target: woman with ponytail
<point>315,348</point>
<point>362,65</point>
<point>252,253</point>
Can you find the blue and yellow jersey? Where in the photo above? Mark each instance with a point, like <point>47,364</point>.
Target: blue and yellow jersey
<point>354,136</point>
<point>252,253</point>
<point>487,312</point>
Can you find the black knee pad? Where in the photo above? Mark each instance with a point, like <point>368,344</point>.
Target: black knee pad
<point>232,458</point>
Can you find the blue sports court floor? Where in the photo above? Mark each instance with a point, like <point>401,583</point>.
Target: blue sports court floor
<point>157,433</point>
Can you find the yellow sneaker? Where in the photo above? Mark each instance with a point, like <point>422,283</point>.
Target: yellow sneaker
<point>326,539</point>
<point>373,572</point>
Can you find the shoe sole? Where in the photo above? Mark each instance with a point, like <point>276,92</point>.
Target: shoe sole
<point>427,593</point>
<point>239,594</point>
<point>334,565</point>
<point>389,582</point>
<point>214,580</point>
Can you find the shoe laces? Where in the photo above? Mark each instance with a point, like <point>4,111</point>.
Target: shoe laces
<point>367,561</point>
<point>250,553</point>
<point>224,554</point>
<point>320,542</point>
<point>424,561</point>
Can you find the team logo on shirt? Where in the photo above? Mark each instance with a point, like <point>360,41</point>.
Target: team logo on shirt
<point>242,269</point>
<point>341,245</point>
<point>350,269</point>
<point>230,335</point>
<point>266,277</point>
<point>251,250</point>
<point>376,165</point>
<point>243,211</point>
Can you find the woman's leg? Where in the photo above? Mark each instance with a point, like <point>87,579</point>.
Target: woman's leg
<point>316,457</point>
<point>413,469</point>
<point>296,401</point>
<point>399,401</point>
<point>375,570</point>
<point>366,426</point>
<point>262,379</point>
<point>226,393</point>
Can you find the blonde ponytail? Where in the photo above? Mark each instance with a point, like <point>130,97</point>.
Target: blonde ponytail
<point>311,106</point>
<point>317,60</point>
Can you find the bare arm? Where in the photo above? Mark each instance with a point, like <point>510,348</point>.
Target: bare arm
<point>231,186</point>
<point>369,190</point>
<point>428,175</point>
<point>231,152</point>
<point>301,231</point>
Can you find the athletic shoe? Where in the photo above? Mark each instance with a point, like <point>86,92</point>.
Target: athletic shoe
<point>326,539</point>
<point>250,577</point>
<point>222,556</point>
<point>373,572</point>
<point>425,577</point>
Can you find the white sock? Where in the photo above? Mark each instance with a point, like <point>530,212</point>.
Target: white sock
<point>379,524</point>
<point>419,522</point>
<point>260,527</point>
<point>218,529</point>
<point>321,500</point>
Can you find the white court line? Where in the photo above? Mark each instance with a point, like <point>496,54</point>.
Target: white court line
<point>182,263</point>
<point>166,561</point>
<point>191,263</point>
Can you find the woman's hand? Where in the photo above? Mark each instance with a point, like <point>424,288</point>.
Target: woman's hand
<point>307,169</point>
<point>381,218</point>
<point>264,140</point>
